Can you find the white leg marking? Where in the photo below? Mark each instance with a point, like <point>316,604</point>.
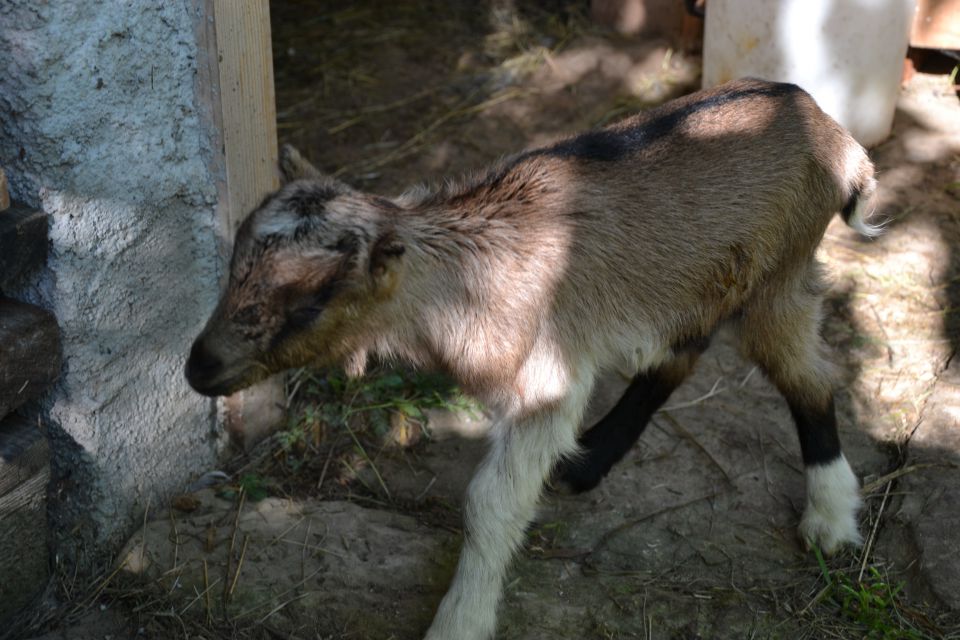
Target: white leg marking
<point>501,500</point>
<point>833,499</point>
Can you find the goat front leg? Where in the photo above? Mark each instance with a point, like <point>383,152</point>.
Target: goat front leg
<point>501,500</point>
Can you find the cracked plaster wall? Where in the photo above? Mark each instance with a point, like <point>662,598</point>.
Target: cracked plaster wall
<point>102,127</point>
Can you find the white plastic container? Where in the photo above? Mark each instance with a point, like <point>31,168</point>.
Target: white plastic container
<point>847,53</point>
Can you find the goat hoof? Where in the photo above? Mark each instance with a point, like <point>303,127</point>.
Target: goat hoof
<point>833,499</point>
<point>829,533</point>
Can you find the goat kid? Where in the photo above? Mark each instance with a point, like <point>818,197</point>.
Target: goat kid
<point>622,248</point>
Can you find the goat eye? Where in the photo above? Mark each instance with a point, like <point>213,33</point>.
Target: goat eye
<point>306,309</point>
<point>323,296</point>
<point>303,316</point>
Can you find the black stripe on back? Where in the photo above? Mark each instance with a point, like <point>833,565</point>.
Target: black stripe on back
<point>605,145</point>
<point>610,145</point>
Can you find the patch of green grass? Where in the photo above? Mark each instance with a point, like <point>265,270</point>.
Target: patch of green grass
<point>255,486</point>
<point>338,426</point>
<point>387,405</point>
<point>335,398</point>
<point>330,402</point>
<point>869,605</point>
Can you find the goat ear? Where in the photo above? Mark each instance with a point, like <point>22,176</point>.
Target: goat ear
<point>294,166</point>
<point>384,255</point>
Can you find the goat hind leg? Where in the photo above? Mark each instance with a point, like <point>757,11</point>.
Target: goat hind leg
<point>833,492</point>
<point>782,336</point>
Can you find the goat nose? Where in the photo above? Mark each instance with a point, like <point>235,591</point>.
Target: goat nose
<point>202,363</point>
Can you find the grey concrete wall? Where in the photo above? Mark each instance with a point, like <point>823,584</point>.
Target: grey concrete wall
<point>102,127</point>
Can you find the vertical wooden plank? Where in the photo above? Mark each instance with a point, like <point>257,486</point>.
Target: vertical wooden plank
<point>235,76</point>
<point>4,192</point>
<point>249,129</point>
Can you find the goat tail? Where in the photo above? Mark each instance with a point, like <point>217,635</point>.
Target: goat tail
<point>862,188</point>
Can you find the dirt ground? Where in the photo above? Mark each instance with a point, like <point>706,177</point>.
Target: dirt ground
<point>693,534</point>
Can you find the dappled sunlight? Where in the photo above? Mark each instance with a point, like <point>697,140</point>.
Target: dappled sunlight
<point>899,325</point>
<point>899,283</point>
<point>954,411</point>
<point>899,299</point>
<point>716,482</point>
<point>595,81</point>
<point>630,67</point>
<point>929,138</point>
<point>347,522</point>
<point>852,67</point>
<point>386,105</point>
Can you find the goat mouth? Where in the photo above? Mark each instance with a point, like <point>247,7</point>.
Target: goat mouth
<point>222,386</point>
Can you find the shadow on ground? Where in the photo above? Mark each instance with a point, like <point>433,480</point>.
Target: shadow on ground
<point>693,534</point>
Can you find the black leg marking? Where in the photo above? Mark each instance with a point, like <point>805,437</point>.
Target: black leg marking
<point>817,429</point>
<point>606,443</point>
<point>609,440</point>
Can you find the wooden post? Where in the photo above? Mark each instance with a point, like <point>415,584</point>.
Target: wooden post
<point>4,192</point>
<point>249,125</point>
<point>236,75</point>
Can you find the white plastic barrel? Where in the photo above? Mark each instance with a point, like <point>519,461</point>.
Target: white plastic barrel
<point>847,53</point>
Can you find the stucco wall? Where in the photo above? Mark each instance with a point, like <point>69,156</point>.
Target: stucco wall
<point>101,126</point>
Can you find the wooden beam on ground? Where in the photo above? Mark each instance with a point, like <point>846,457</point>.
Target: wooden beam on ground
<point>24,475</point>
<point>24,452</point>
<point>237,79</point>
<point>30,355</point>
<point>23,243</point>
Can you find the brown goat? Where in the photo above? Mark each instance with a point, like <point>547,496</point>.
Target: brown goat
<point>622,248</point>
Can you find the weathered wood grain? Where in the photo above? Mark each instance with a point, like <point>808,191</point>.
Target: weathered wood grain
<point>24,556</point>
<point>236,77</point>
<point>4,192</point>
<point>30,355</point>
<point>23,242</point>
<point>23,452</point>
